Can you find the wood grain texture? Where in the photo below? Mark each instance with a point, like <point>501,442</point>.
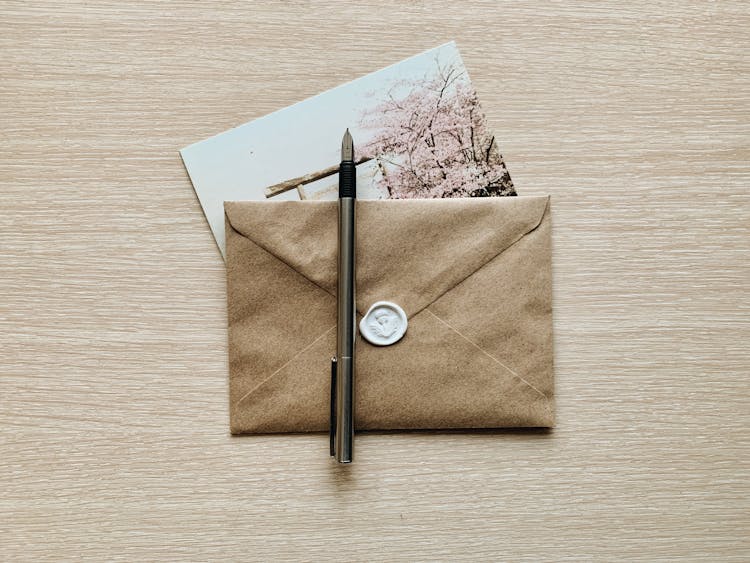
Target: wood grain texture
<point>113,415</point>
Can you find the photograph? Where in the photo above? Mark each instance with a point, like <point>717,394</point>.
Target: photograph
<point>418,128</point>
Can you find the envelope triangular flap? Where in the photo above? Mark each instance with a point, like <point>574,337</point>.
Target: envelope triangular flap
<point>408,251</point>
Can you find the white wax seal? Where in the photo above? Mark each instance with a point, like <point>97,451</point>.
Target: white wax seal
<point>383,324</point>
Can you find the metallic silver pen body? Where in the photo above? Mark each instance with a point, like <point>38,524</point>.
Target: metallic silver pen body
<point>346,324</point>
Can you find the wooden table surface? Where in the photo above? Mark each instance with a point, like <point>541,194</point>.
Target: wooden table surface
<point>113,349</point>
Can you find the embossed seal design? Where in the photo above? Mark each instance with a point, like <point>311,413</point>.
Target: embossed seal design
<point>384,324</point>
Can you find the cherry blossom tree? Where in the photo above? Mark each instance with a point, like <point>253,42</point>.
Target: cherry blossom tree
<point>431,140</point>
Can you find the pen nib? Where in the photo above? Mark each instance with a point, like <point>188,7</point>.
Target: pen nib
<point>347,147</point>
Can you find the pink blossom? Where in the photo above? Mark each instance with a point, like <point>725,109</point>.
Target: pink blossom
<point>432,140</point>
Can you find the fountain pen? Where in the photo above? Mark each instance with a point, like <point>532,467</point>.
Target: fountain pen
<point>342,413</point>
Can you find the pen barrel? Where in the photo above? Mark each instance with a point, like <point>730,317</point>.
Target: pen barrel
<point>345,292</point>
<point>346,323</point>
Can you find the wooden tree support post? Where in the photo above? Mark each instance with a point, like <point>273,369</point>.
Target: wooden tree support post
<point>298,183</point>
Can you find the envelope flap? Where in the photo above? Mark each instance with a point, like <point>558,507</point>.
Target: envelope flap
<point>408,251</point>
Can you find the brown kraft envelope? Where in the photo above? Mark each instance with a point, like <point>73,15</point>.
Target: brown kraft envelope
<point>473,275</point>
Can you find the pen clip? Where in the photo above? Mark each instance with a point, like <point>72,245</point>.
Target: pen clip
<point>332,419</point>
